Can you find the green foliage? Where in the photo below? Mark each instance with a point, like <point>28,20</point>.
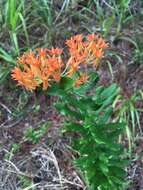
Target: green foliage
<point>34,135</point>
<point>26,182</point>
<point>21,108</point>
<point>100,155</point>
<point>43,10</point>
<point>5,70</point>
<point>138,51</point>
<point>12,18</point>
<point>13,24</point>
<point>128,111</point>
<point>15,148</point>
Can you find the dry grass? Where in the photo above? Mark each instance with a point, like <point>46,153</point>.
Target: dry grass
<point>39,170</point>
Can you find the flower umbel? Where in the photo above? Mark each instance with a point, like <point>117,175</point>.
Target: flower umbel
<point>85,50</point>
<point>39,67</point>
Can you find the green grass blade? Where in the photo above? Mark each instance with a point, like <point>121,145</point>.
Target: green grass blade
<point>24,28</point>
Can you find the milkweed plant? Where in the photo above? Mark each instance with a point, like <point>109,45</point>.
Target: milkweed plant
<point>86,105</point>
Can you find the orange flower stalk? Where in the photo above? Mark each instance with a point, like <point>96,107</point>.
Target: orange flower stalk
<point>41,67</point>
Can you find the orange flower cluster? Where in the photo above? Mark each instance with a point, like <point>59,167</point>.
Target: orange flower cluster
<point>85,51</point>
<point>38,67</point>
<point>43,66</point>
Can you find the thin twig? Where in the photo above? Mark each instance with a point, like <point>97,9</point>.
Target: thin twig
<point>6,108</point>
<point>57,167</point>
<point>11,125</point>
<point>109,6</point>
<point>17,169</point>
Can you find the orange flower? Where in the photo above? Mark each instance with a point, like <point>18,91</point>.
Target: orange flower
<point>101,43</point>
<point>45,82</point>
<point>91,37</point>
<point>55,51</point>
<point>24,79</point>
<point>57,77</point>
<point>72,70</point>
<point>29,82</point>
<point>17,74</point>
<point>81,80</point>
<point>42,52</point>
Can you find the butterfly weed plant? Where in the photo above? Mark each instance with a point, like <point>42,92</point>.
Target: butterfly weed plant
<point>86,106</point>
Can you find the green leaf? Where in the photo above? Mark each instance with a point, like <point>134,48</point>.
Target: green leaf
<point>66,111</point>
<point>104,168</point>
<point>105,96</point>
<point>75,127</point>
<point>106,116</point>
<point>4,72</point>
<point>54,90</point>
<point>66,83</point>
<point>8,58</point>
